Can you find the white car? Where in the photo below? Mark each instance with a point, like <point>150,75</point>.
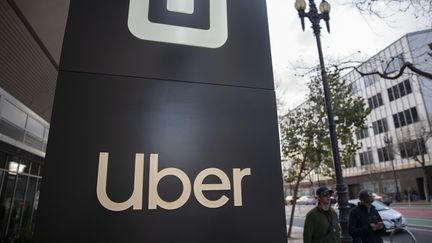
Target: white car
<point>307,200</point>
<point>289,199</point>
<point>392,219</point>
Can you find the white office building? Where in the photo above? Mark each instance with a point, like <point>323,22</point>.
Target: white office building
<point>397,125</point>
<point>399,121</point>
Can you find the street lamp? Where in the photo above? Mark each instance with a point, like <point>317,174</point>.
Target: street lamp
<point>315,19</point>
<point>389,141</point>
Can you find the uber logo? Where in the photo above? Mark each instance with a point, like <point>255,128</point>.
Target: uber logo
<point>215,36</point>
<point>154,200</point>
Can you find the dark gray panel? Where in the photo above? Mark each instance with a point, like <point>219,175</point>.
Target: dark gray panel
<point>98,40</point>
<point>191,127</point>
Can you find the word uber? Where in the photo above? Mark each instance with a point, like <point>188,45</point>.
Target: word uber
<point>154,200</point>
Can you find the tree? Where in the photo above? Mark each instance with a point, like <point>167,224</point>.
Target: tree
<point>305,138</point>
<point>391,67</point>
<point>420,8</point>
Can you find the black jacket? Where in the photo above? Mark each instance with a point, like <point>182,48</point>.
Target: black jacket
<point>359,224</point>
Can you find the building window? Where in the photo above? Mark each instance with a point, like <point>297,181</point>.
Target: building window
<point>385,154</point>
<point>363,134</point>
<point>380,126</point>
<point>354,88</point>
<point>394,65</point>
<point>351,163</point>
<point>375,101</point>
<point>366,158</point>
<point>370,79</point>
<point>412,148</point>
<point>399,90</point>
<point>405,117</point>
<point>389,186</point>
<point>20,181</point>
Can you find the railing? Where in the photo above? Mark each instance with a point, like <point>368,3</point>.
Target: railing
<point>21,127</point>
<point>398,229</point>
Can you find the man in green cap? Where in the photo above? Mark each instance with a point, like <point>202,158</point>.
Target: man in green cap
<point>321,224</point>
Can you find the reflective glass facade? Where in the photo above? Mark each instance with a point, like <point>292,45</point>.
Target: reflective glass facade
<point>20,180</point>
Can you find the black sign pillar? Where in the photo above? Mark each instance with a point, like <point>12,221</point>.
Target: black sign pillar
<point>164,126</point>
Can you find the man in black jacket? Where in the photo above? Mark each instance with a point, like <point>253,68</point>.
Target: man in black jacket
<point>365,223</point>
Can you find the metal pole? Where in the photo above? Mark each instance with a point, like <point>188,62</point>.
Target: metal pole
<point>389,141</point>
<point>340,186</point>
<point>398,198</point>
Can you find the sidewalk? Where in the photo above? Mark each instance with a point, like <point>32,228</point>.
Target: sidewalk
<point>296,235</point>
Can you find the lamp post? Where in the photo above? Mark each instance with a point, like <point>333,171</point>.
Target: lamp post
<point>389,141</point>
<point>315,19</point>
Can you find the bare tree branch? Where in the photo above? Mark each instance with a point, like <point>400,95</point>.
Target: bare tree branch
<point>392,76</point>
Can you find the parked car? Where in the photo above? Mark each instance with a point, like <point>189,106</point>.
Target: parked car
<point>386,199</point>
<point>306,200</point>
<point>333,198</point>
<point>288,199</point>
<point>391,218</point>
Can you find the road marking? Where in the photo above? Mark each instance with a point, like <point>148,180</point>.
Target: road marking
<point>420,229</point>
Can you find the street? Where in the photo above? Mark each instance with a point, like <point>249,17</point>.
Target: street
<point>419,219</point>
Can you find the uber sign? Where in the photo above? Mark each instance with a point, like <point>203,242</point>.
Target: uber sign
<point>164,126</point>
<point>213,37</point>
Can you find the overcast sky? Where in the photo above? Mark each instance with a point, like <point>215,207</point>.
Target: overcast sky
<point>350,32</point>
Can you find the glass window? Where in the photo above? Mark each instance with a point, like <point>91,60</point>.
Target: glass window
<point>35,127</point>
<point>384,125</point>
<point>6,200</point>
<point>401,89</point>
<point>396,92</point>
<point>27,207</point>
<point>375,101</point>
<point>34,168</point>
<point>412,148</point>
<point>3,157</point>
<point>407,86</point>
<point>396,120</point>
<point>17,166</point>
<point>414,114</point>
<point>408,116</point>
<point>363,134</point>
<point>380,126</point>
<point>366,158</point>
<point>385,154</point>
<point>390,93</point>
<point>17,204</point>
<point>402,119</point>
<point>380,101</point>
<point>388,187</point>
<point>13,114</point>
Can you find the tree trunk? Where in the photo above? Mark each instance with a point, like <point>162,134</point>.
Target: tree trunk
<point>425,184</point>
<point>294,202</point>
<point>299,178</point>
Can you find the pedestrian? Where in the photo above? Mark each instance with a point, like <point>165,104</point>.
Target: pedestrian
<point>321,224</point>
<point>365,223</point>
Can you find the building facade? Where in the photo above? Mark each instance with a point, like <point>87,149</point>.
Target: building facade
<point>396,139</point>
<point>23,140</point>
<point>31,34</point>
